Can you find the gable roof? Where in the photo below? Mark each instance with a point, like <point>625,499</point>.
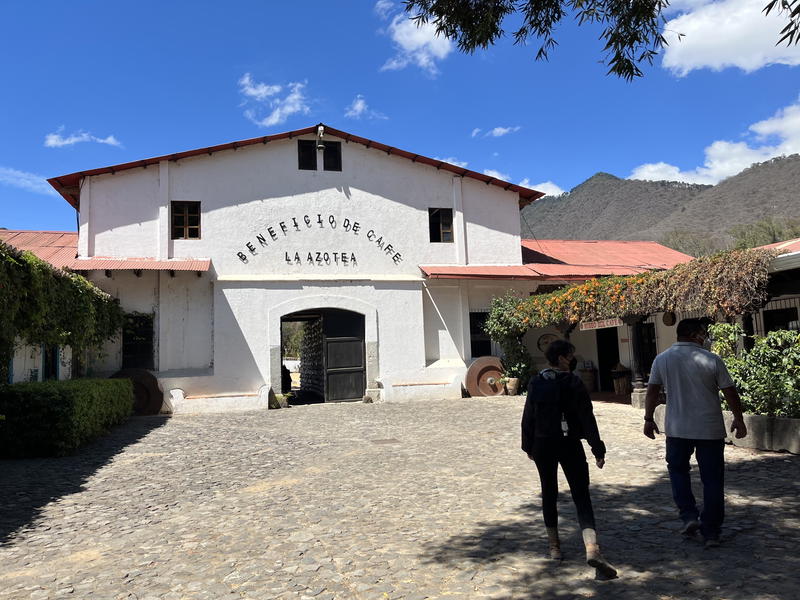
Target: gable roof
<point>69,185</point>
<point>60,249</point>
<point>570,260</point>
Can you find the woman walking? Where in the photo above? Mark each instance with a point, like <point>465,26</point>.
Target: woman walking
<point>558,414</point>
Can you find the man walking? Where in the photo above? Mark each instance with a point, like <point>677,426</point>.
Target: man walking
<point>693,377</point>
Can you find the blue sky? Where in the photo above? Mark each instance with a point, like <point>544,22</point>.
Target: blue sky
<point>92,83</point>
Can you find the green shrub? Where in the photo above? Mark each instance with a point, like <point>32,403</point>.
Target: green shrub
<point>768,376</point>
<point>54,418</point>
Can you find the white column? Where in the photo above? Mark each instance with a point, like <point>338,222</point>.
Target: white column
<point>84,218</point>
<point>463,297</point>
<point>163,210</point>
<point>459,226</point>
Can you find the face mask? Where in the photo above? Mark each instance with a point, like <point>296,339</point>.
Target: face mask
<point>573,363</point>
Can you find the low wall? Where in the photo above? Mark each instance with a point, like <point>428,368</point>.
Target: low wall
<point>778,434</point>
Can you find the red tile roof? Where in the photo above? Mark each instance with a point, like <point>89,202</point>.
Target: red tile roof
<point>60,248</point>
<point>56,247</point>
<point>570,260</point>
<point>69,185</point>
<point>784,247</point>
<point>609,255</point>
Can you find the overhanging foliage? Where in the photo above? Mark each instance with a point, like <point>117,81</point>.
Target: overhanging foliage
<point>42,305</point>
<point>723,285</point>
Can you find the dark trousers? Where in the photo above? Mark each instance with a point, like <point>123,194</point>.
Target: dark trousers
<point>711,461</point>
<point>548,453</point>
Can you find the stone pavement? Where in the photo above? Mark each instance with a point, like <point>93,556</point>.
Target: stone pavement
<point>351,501</point>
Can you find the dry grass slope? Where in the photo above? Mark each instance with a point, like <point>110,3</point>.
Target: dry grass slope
<point>607,207</point>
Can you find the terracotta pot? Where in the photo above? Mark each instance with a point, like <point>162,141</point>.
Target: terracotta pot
<point>512,386</point>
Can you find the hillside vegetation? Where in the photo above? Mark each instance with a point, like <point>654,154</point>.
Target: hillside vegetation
<point>697,219</point>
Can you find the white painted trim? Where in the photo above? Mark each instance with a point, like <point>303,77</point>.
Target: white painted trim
<point>319,278</point>
<point>163,210</point>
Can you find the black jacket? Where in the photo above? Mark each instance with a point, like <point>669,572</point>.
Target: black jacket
<point>553,393</point>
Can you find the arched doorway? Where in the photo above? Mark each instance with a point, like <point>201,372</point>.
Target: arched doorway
<point>332,355</point>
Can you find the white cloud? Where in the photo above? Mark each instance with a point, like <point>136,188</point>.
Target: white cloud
<point>453,161</point>
<point>776,136</point>
<point>475,132</point>
<point>501,131</point>
<point>269,98</point>
<point>548,187</point>
<point>26,181</point>
<point>358,108</point>
<point>418,46</point>
<point>497,174</point>
<point>729,33</point>
<point>257,91</point>
<point>383,8</point>
<point>56,140</point>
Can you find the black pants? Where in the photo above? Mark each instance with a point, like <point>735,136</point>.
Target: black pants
<point>547,454</point>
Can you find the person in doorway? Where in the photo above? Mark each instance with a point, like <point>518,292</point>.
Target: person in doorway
<point>557,415</point>
<point>693,377</point>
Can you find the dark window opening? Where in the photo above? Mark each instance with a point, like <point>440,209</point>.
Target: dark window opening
<point>50,366</point>
<point>479,341</point>
<point>779,318</point>
<point>332,156</point>
<point>185,220</point>
<point>440,221</point>
<point>137,341</point>
<point>307,155</point>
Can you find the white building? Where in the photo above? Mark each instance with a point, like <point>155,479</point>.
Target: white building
<point>217,246</point>
<point>391,259</point>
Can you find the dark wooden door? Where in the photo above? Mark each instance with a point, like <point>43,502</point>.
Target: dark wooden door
<point>344,356</point>
<point>649,346</point>
<point>607,356</point>
<point>137,341</point>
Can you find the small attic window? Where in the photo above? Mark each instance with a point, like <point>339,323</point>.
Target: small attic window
<point>307,155</point>
<point>332,156</point>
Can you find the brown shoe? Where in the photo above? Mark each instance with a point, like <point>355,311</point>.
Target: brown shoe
<point>603,569</point>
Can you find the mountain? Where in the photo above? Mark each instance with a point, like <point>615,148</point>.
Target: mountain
<point>607,207</point>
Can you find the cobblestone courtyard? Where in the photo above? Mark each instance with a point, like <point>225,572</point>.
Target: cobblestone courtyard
<point>349,501</point>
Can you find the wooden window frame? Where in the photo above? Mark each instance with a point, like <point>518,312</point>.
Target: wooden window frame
<point>439,230</point>
<point>184,210</point>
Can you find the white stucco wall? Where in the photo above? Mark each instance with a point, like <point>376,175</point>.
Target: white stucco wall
<point>122,217</point>
<point>28,358</point>
<point>246,192</point>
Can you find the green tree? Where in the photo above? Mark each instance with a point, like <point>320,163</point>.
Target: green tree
<point>292,338</point>
<point>766,231</point>
<point>690,242</point>
<point>631,30</point>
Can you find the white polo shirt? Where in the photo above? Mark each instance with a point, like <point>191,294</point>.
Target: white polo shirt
<point>692,377</point>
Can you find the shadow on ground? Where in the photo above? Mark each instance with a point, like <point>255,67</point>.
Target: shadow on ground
<point>28,484</point>
<point>759,556</point>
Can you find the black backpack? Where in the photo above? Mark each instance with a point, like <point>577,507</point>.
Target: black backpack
<point>546,406</point>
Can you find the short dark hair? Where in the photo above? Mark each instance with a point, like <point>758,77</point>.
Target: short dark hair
<point>558,348</point>
<point>690,327</point>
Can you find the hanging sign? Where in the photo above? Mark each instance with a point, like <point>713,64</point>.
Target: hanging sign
<point>602,324</point>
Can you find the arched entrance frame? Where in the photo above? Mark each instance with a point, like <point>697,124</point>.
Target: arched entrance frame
<point>294,305</point>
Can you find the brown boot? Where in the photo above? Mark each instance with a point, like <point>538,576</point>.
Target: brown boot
<point>555,543</point>
<point>603,569</point>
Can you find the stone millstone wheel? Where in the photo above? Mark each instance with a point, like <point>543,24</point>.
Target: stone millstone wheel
<point>147,395</point>
<point>483,377</point>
